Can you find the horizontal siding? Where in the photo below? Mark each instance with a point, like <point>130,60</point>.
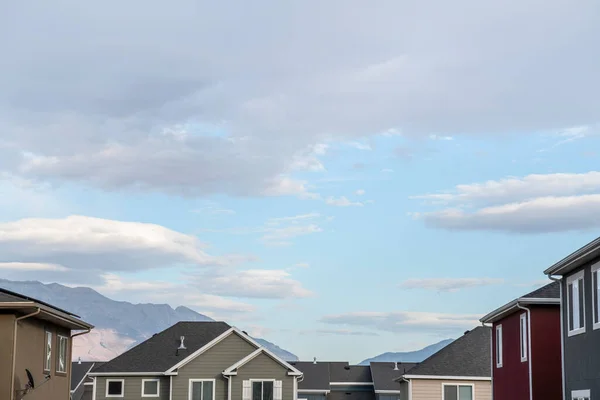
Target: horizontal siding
<point>133,388</point>
<point>431,389</point>
<point>210,365</point>
<point>263,367</point>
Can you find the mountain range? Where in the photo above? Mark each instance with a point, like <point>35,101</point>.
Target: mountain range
<point>409,356</point>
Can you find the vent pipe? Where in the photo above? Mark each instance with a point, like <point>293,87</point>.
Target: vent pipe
<point>314,360</point>
<point>79,360</point>
<point>181,345</point>
<point>395,366</point>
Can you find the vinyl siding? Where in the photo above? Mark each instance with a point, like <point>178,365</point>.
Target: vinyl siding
<point>431,389</point>
<point>210,365</point>
<point>263,367</point>
<point>133,388</point>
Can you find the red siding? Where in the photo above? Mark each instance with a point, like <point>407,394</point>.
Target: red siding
<point>511,381</point>
<point>546,353</point>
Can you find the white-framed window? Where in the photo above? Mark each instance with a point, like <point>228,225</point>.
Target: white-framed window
<point>581,395</point>
<point>596,294</point>
<point>150,387</point>
<point>453,391</point>
<point>115,388</point>
<point>523,331</point>
<point>262,389</point>
<point>48,352</point>
<point>61,359</point>
<point>576,304</point>
<point>499,346</point>
<point>202,389</point>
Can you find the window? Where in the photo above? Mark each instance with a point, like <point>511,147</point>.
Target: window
<point>576,304</point>
<point>262,390</point>
<point>150,387</point>
<point>115,388</point>
<point>202,389</point>
<point>61,361</point>
<point>499,346</point>
<point>581,395</point>
<point>48,353</point>
<point>596,294</point>
<point>457,392</point>
<point>523,323</point>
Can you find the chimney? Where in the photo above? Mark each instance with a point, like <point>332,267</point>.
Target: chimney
<point>314,360</point>
<point>79,360</point>
<point>395,366</point>
<point>181,345</point>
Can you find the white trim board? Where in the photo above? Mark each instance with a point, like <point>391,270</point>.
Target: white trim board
<point>126,374</point>
<point>449,378</point>
<point>232,370</point>
<point>388,392</point>
<point>351,383</point>
<point>107,381</point>
<point>314,391</point>
<point>191,381</point>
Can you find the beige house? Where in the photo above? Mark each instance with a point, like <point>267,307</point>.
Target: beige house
<point>460,371</point>
<point>35,348</point>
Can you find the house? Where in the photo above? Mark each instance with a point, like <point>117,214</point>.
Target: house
<point>35,348</point>
<point>526,346</point>
<point>459,371</point>
<point>205,360</point>
<point>342,381</point>
<point>81,382</point>
<point>579,281</point>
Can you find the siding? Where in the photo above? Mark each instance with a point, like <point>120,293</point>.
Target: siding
<point>431,389</point>
<point>546,353</point>
<point>263,367</point>
<point>582,364</point>
<point>7,324</point>
<point>133,387</point>
<point>210,365</point>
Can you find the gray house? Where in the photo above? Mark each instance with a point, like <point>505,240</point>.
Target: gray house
<point>197,361</point>
<point>580,305</point>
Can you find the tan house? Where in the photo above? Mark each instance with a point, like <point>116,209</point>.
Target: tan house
<point>197,361</point>
<point>35,348</point>
<point>459,371</point>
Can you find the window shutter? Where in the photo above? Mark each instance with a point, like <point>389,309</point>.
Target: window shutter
<point>246,392</point>
<point>277,391</point>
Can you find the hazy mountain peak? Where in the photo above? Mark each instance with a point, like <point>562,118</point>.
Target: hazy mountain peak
<point>409,356</point>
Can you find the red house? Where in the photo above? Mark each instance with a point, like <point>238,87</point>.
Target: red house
<point>526,347</point>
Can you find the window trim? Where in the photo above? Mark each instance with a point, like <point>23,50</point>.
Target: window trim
<point>595,293</point>
<point>577,276</point>
<point>58,340</point>
<point>458,385</point>
<point>523,331</point>
<point>192,380</point>
<point>47,360</point>
<point>581,394</point>
<point>108,380</point>
<point>499,352</point>
<point>157,387</point>
<point>262,380</point>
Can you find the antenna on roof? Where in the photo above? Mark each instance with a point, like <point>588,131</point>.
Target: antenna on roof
<point>181,345</point>
<point>314,360</point>
<point>395,366</point>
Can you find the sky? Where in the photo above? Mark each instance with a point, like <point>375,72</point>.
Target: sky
<point>343,179</point>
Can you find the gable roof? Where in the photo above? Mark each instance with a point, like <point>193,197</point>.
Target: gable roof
<point>316,376</point>
<point>79,371</point>
<point>385,374</point>
<point>546,295</point>
<point>232,370</point>
<point>467,356</point>
<point>342,372</point>
<point>160,352</point>
<point>576,259</point>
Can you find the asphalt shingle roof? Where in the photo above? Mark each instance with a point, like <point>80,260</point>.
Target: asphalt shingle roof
<point>468,355</point>
<point>159,353</point>
<point>316,376</point>
<point>78,372</point>
<point>343,372</point>
<point>384,374</point>
<point>550,291</point>
<point>7,296</point>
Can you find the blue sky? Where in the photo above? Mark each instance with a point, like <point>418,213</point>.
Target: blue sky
<point>342,193</point>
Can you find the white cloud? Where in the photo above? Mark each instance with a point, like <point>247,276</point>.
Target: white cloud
<point>360,146</point>
<point>22,266</point>
<point>438,137</point>
<point>405,321</point>
<point>342,332</point>
<point>281,236</point>
<point>342,202</point>
<point>114,283</point>
<point>449,284</point>
<point>360,192</point>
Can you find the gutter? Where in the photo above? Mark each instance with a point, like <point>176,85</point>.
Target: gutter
<point>528,348</point>
<point>562,336</point>
<point>14,358</point>
<point>574,257</point>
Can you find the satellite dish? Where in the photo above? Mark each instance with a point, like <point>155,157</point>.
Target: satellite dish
<point>31,382</point>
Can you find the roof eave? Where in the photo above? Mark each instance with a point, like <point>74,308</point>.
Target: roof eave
<point>511,307</point>
<point>73,323</point>
<point>576,259</point>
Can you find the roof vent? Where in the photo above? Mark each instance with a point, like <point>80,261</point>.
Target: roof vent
<point>245,333</point>
<point>347,367</point>
<point>314,360</point>
<point>395,366</point>
<point>181,345</point>
<point>467,332</point>
<point>79,360</point>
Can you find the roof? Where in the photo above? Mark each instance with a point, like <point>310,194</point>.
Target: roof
<point>467,356</point>
<point>316,376</point>
<point>160,352</point>
<point>576,259</point>
<point>546,295</point>
<point>79,371</point>
<point>7,296</point>
<point>352,395</point>
<point>385,374</point>
<point>232,370</point>
<point>343,372</point>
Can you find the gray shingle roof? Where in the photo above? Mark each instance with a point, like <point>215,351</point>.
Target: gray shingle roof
<point>343,372</point>
<point>78,372</point>
<point>353,395</point>
<point>384,374</point>
<point>159,353</point>
<point>468,355</point>
<point>7,296</point>
<point>316,376</point>
<point>550,291</point>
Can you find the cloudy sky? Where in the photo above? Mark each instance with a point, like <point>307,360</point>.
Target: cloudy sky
<point>341,178</point>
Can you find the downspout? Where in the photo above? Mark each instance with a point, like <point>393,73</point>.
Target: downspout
<point>492,357</point>
<point>298,380</point>
<point>528,348</point>
<point>562,337</point>
<point>409,387</point>
<point>14,359</point>
<point>228,377</point>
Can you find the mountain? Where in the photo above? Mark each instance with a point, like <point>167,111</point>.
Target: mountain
<point>410,356</point>
<point>118,324</point>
